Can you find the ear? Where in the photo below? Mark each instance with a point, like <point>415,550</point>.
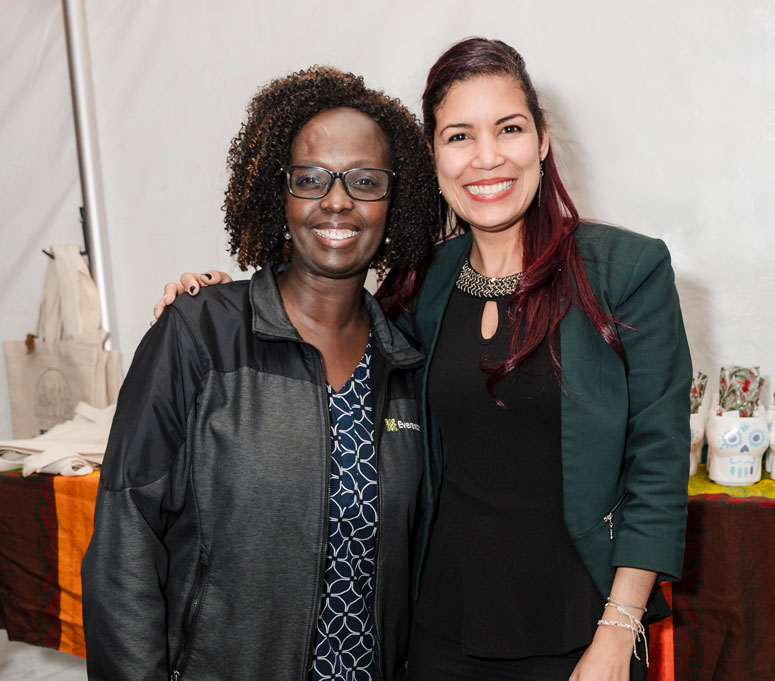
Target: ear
<point>543,146</point>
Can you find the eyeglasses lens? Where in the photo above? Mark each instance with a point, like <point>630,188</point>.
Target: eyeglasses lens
<point>367,184</point>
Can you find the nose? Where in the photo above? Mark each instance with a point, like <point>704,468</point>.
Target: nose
<point>337,199</point>
<point>487,153</point>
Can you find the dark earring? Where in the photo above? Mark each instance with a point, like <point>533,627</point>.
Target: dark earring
<point>540,180</point>
<point>441,213</point>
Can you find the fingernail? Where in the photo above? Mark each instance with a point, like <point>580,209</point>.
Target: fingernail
<point>192,289</point>
<point>207,274</point>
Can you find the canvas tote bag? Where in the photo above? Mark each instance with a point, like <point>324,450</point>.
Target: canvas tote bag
<point>65,363</point>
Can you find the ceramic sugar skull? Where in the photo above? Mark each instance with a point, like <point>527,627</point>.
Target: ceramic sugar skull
<point>697,424</point>
<point>735,448</point>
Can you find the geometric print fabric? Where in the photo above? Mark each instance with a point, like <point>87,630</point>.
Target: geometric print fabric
<point>345,640</point>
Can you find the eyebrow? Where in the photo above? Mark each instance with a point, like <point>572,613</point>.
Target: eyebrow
<point>500,121</point>
<point>360,163</point>
<point>509,117</point>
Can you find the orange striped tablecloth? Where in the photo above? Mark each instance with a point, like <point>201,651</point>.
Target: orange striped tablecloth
<point>47,523</point>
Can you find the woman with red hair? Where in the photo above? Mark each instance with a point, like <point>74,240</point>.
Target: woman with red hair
<point>556,384</point>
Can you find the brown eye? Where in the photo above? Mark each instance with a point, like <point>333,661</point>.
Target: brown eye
<point>307,181</point>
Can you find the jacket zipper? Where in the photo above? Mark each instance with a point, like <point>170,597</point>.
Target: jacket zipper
<point>326,511</point>
<point>190,617</point>
<point>609,518</point>
<point>378,404</point>
<point>310,652</point>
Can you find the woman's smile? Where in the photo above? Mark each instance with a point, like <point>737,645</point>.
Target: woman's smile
<point>493,189</point>
<point>337,235</point>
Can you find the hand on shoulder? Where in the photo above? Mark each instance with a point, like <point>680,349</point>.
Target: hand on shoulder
<point>191,283</point>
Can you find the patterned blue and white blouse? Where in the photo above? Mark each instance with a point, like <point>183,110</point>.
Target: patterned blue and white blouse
<point>345,641</point>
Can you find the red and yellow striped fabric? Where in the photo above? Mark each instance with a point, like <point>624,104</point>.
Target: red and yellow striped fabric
<point>45,525</point>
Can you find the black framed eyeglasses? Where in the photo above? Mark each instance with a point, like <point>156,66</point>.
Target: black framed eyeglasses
<point>361,184</point>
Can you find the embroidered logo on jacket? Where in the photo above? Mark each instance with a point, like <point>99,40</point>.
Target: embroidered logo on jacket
<point>394,425</point>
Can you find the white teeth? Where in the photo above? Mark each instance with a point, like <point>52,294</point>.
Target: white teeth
<point>335,234</point>
<point>488,188</point>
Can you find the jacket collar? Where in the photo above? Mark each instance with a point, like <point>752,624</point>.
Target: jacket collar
<point>271,321</point>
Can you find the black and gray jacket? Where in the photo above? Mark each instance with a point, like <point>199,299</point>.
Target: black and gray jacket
<point>210,531</point>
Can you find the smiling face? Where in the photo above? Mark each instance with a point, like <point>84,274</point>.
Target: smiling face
<point>337,236</point>
<point>487,151</point>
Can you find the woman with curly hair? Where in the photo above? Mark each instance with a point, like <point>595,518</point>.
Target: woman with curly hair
<point>258,494</point>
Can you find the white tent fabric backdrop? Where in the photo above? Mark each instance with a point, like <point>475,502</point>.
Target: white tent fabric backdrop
<point>662,113</point>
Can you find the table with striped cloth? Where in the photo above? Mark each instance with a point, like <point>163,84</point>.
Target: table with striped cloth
<point>45,526</point>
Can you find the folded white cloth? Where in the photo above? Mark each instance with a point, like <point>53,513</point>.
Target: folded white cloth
<point>10,461</point>
<point>74,447</point>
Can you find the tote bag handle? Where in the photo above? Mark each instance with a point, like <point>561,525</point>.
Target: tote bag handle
<point>70,304</point>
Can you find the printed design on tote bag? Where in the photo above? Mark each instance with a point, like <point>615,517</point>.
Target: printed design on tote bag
<point>53,400</point>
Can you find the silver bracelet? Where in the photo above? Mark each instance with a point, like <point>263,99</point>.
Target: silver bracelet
<point>623,611</point>
<point>624,605</point>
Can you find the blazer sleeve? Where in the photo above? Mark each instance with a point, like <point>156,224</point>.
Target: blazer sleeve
<point>142,491</point>
<point>656,463</point>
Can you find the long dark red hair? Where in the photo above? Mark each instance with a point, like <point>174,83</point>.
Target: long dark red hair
<point>554,277</point>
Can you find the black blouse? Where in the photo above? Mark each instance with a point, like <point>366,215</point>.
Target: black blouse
<point>502,576</point>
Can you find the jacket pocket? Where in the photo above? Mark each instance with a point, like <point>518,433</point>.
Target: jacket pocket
<point>190,617</point>
<point>608,518</point>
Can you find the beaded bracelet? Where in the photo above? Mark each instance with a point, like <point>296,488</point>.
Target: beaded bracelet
<point>615,623</point>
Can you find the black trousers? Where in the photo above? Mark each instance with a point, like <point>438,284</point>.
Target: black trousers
<point>435,659</point>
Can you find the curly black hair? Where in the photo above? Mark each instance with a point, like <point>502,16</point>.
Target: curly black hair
<point>254,203</point>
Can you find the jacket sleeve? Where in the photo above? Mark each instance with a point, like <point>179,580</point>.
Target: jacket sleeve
<point>142,490</point>
<point>656,464</point>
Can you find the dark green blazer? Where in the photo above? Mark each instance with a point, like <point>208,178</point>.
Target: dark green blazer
<point>625,437</point>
